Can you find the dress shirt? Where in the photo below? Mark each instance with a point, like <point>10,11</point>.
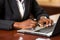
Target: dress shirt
<point>21,7</point>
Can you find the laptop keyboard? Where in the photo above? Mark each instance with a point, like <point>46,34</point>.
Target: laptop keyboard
<point>45,30</point>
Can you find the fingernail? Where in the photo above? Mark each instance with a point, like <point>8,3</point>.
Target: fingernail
<point>41,25</point>
<point>49,24</point>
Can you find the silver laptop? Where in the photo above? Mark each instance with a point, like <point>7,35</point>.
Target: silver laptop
<point>49,31</point>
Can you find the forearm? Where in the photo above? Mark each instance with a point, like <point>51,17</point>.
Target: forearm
<point>9,25</point>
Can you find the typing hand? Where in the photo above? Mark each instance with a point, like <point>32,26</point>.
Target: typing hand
<point>25,24</point>
<point>45,22</point>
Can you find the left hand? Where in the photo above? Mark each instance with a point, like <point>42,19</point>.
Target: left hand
<point>45,22</point>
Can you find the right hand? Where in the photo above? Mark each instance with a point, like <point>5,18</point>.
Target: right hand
<point>25,24</point>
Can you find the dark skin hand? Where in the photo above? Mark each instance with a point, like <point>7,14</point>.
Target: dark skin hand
<point>32,24</point>
<point>45,22</point>
<point>25,24</point>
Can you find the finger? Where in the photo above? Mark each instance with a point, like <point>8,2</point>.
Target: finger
<point>27,27</point>
<point>50,22</point>
<point>34,22</point>
<point>33,25</point>
<point>47,23</point>
<point>30,26</point>
<point>40,23</point>
<point>24,27</point>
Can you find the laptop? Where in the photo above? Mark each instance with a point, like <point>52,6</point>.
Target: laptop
<point>49,31</point>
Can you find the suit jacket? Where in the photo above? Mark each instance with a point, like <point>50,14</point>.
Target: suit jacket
<point>9,12</point>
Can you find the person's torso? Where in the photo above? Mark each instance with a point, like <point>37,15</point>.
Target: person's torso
<point>11,11</point>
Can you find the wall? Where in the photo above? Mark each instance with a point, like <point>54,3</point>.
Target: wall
<point>51,6</point>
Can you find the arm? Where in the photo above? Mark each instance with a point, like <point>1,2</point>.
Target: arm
<point>40,14</point>
<point>8,24</point>
<point>37,11</point>
<point>4,24</point>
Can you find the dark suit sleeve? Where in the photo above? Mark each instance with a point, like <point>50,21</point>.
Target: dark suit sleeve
<point>6,24</point>
<point>37,10</point>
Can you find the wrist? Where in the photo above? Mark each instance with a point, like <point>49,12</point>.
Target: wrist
<point>16,25</point>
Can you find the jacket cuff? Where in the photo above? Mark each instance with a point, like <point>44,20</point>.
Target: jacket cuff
<point>6,25</point>
<point>46,15</point>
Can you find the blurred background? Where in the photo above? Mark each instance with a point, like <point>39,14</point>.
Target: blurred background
<point>51,6</point>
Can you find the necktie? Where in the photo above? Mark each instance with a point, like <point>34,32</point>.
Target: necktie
<point>20,0</point>
<point>20,4</point>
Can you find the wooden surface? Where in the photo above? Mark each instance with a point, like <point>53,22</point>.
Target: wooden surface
<point>14,35</point>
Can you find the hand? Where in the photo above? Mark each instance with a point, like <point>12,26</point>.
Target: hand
<point>45,22</point>
<point>25,24</point>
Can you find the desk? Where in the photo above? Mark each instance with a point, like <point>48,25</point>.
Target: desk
<point>13,35</point>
